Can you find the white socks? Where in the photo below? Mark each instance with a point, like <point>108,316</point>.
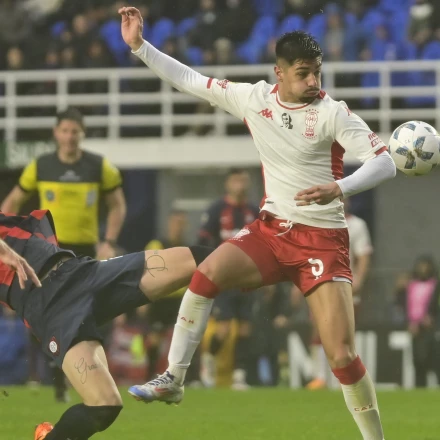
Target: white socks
<point>361,401</point>
<point>191,323</point>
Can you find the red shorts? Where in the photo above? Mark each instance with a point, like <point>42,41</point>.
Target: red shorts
<point>306,255</point>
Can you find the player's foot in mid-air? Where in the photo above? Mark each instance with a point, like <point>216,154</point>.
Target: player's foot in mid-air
<point>42,430</point>
<point>162,389</point>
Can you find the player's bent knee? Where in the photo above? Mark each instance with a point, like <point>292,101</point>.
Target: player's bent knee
<point>104,416</point>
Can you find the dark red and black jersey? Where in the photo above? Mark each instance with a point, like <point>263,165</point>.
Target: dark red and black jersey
<point>223,220</point>
<point>34,238</point>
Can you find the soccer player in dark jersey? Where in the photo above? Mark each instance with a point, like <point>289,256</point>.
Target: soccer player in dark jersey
<point>75,296</point>
<point>222,221</point>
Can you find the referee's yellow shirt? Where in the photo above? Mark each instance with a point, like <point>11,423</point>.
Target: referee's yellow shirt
<point>71,192</point>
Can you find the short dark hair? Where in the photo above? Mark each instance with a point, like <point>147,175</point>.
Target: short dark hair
<point>71,114</point>
<point>297,45</point>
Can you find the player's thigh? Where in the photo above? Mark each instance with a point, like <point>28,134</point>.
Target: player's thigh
<point>85,365</point>
<point>331,304</point>
<point>166,271</point>
<point>229,266</point>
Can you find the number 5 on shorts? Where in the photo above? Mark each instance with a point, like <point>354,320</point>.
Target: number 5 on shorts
<point>317,266</point>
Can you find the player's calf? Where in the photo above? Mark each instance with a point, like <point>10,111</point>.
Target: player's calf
<point>81,421</point>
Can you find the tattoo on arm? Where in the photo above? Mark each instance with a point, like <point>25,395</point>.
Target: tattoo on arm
<point>155,263</point>
<point>82,368</point>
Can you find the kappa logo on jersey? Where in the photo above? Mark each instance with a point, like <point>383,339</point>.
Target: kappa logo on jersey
<point>266,113</point>
<point>287,121</point>
<point>311,121</point>
<point>223,83</point>
<point>242,233</point>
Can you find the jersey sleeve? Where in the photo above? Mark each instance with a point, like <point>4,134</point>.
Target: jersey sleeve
<point>361,242</point>
<point>111,176</point>
<point>28,178</point>
<point>229,96</point>
<point>232,97</point>
<point>353,134</point>
<point>209,227</point>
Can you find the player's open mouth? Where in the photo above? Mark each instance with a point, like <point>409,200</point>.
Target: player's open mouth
<point>312,92</point>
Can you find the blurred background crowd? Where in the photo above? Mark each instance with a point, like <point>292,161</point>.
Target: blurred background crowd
<point>85,33</point>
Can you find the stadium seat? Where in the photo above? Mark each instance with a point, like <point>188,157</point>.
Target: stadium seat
<point>110,32</point>
<point>249,52</point>
<point>317,26</point>
<point>185,26</point>
<point>398,25</point>
<point>161,31</point>
<point>57,29</point>
<point>194,56</point>
<point>269,7</point>
<point>291,23</point>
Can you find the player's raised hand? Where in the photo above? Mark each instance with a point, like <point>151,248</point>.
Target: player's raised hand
<point>131,27</point>
<point>319,194</point>
<point>9,257</point>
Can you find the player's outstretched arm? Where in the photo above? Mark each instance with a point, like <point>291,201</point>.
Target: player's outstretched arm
<point>9,257</point>
<point>230,97</point>
<point>177,74</point>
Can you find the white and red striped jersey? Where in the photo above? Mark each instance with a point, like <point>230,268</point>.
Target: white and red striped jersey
<point>299,145</point>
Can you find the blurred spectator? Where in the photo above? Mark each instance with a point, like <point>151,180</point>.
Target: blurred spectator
<point>207,27</point>
<point>421,16</point>
<point>422,293</point>
<point>306,8</point>
<point>334,35</point>
<point>237,20</point>
<point>232,309</point>
<point>361,249</point>
<point>15,25</point>
<point>271,318</point>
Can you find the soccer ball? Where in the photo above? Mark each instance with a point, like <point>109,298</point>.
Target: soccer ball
<point>415,148</point>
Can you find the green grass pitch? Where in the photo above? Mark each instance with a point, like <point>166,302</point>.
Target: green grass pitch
<point>258,414</point>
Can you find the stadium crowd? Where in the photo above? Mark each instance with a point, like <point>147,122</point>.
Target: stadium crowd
<point>85,33</point>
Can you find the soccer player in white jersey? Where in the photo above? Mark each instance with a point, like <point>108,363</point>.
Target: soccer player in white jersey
<point>301,134</point>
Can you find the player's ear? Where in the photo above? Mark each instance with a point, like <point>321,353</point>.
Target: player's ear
<point>278,73</point>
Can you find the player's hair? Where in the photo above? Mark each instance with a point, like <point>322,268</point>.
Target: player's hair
<point>71,114</point>
<point>297,45</point>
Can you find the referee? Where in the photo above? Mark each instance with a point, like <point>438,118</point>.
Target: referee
<point>70,182</point>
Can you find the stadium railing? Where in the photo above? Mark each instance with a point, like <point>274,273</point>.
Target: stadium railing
<point>120,104</point>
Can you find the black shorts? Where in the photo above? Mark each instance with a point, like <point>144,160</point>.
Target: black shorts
<point>233,304</point>
<point>162,314</point>
<point>80,250</point>
<point>81,295</point>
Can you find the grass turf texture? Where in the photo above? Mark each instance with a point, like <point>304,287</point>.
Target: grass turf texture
<point>258,414</point>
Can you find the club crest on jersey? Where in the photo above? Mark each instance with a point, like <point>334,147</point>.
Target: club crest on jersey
<point>286,121</point>
<point>311,121</point>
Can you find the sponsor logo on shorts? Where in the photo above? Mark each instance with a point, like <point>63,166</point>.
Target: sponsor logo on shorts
<point>54,347</point>
<point>242,233</point>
